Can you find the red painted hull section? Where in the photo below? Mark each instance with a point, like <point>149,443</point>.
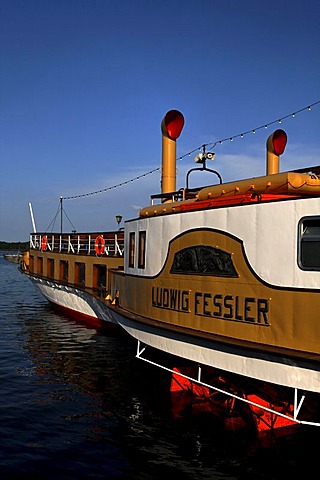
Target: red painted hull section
<point>88,320</point>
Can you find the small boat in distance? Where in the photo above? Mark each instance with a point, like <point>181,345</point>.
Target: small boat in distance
<point>225,276</point>
<point>13,257</point>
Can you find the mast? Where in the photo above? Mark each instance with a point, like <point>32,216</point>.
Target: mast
<point>61,214</point>
<point>32,218</point>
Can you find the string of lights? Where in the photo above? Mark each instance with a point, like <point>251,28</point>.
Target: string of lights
<point>212,144</point>
<point>113,186</point>
<point>254,130</point>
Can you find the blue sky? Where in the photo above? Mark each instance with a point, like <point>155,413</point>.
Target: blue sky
<point>84,85</point>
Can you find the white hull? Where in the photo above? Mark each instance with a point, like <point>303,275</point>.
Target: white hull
<point>279,371</point>
<point>73,299</point>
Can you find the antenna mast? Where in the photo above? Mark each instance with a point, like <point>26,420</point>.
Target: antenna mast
<point>32,218</point>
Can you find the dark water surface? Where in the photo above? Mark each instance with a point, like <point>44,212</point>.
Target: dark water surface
<point>77,404</point>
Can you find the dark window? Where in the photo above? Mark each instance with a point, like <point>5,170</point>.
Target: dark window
<point>309,243</point>
<point>79,273</point>
<point>31,264</point>
<point>50,268</point>
<point>132,241</point>
<point>40,266</point>
<point>100,278</point>
<point>142,250</point>
<point>63,272</point>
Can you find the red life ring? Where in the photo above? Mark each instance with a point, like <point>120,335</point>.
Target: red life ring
<point>44,243</point>
<point>99,245</point>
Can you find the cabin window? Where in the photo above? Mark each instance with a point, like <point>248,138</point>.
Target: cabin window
<point>100,278</point>
<point>31,264</point>
<point>40,266</point>
<point>50,268</point>
<point>79,273</point>
<point>63,271</point>
<point>132,242</point>
<point>309,243</point>
<point>142,250</point>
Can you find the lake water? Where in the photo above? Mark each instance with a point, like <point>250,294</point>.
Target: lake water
<point>77,404</point>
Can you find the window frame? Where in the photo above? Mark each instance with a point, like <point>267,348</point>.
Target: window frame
<point>304,239</point>
<point>142,249</point>
<point>64,271</point>
<point>50,267</point>
<point>132,244</point>
<point>80,274</point>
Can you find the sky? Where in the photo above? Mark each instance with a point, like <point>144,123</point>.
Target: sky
<point>85,84</point>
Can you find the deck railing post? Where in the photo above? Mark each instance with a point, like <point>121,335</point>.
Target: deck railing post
<point>33,241</point>
<point>70,246</point>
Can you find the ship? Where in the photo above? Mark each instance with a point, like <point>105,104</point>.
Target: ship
<point>224,277</point>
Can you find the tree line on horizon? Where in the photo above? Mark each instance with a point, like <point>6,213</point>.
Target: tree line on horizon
<point>14,246</point>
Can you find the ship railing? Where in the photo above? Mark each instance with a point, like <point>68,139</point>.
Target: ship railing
<point>79,243</point>
<point>35,241</point>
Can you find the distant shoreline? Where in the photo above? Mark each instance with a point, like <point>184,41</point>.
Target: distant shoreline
<point>13,246</point>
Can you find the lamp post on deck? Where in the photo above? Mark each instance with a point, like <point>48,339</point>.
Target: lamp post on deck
<point>118,219</point>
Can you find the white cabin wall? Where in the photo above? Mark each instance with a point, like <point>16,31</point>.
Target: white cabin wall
<point>268,232</point>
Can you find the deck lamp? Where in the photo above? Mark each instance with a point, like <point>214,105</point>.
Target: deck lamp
<point>118,218</point>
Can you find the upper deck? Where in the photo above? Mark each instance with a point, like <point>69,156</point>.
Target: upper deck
<point>105,243</point>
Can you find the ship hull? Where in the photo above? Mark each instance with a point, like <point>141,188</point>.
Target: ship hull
<point>262,366</point>
<point>76,303</point>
